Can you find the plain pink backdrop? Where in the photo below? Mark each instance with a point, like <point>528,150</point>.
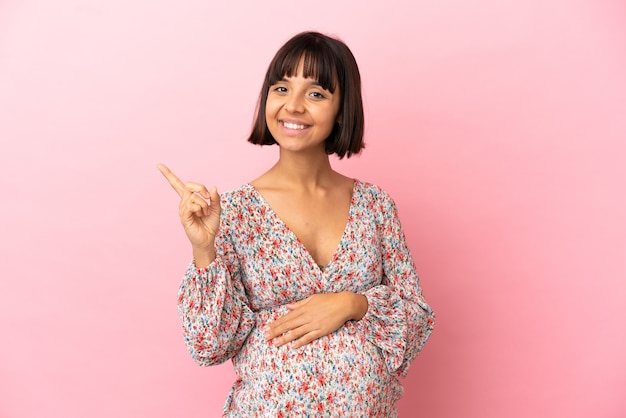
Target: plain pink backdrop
<point>498,126</point>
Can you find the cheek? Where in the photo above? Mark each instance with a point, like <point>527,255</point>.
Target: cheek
<point>270,117</point>
<point>270,111</point>
<point>330,117</point>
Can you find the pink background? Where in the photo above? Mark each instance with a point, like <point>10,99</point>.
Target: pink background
<point>498,126</point>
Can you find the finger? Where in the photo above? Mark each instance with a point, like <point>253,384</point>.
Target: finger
<point>174,181</point>
<point>280,326</point>
<point>198,188</point>
<point>272,331</point>
<point>305,339</point>
<point>296,305</point>
<point>291,336</point>
<point>198,205</point>
<point>193,201</point>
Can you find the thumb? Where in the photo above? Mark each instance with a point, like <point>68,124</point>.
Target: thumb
<point>214,197</point>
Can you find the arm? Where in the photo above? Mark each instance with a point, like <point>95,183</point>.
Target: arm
<point>212,303</point>
<point>398,319</point>
<point>213,306</point>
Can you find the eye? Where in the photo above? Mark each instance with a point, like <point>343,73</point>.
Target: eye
<point>279,89</point>
<point>317,95</point>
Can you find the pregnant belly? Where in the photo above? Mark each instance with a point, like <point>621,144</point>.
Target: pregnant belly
<point>341,370</point>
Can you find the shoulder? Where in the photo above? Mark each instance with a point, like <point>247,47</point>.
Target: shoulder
<point>372,201</point>
<point>234,196</point>
<point>373,193</point>
<point>239,201</point>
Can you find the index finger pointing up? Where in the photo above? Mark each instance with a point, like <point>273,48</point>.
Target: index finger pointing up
<point>174,181</point>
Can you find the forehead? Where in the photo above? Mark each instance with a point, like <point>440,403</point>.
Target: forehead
<point>314,65</point>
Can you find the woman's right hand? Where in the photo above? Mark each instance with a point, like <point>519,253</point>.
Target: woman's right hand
<point>199,212</point>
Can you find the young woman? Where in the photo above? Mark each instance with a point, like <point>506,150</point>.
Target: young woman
<point>303,277</point>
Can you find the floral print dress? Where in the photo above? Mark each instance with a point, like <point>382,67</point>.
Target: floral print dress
<point>261,266</point>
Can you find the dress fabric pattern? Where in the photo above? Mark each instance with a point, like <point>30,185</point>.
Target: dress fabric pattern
<point>261,266</point>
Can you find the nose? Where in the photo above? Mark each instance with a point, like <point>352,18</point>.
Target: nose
<point>294,103</point>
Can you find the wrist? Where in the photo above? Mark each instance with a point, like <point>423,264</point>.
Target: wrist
<point>358,306</point>
<point>202,257</point>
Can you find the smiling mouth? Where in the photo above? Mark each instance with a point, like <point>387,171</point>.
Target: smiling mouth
<point>290,125</point>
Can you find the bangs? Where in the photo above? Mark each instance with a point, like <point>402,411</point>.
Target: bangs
<point>319,64</point>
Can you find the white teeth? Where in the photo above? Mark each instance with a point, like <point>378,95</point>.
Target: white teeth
<point>293,126</point>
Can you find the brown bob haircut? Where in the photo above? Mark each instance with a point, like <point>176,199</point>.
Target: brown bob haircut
<point>332,64</point>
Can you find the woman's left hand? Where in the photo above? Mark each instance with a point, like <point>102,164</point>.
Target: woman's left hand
<point>314,317</point>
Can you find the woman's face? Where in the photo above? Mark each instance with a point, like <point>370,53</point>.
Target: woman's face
<point>300,114</point>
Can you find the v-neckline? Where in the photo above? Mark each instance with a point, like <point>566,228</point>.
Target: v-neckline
<point>322,269</point>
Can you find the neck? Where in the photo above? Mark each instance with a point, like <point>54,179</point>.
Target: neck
<point>308,171</point>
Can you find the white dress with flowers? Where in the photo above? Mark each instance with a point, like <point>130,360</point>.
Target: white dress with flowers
<point>261,266</point>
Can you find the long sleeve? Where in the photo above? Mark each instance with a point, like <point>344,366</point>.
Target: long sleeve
<point>213,306</point>
<point>398,320</point>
